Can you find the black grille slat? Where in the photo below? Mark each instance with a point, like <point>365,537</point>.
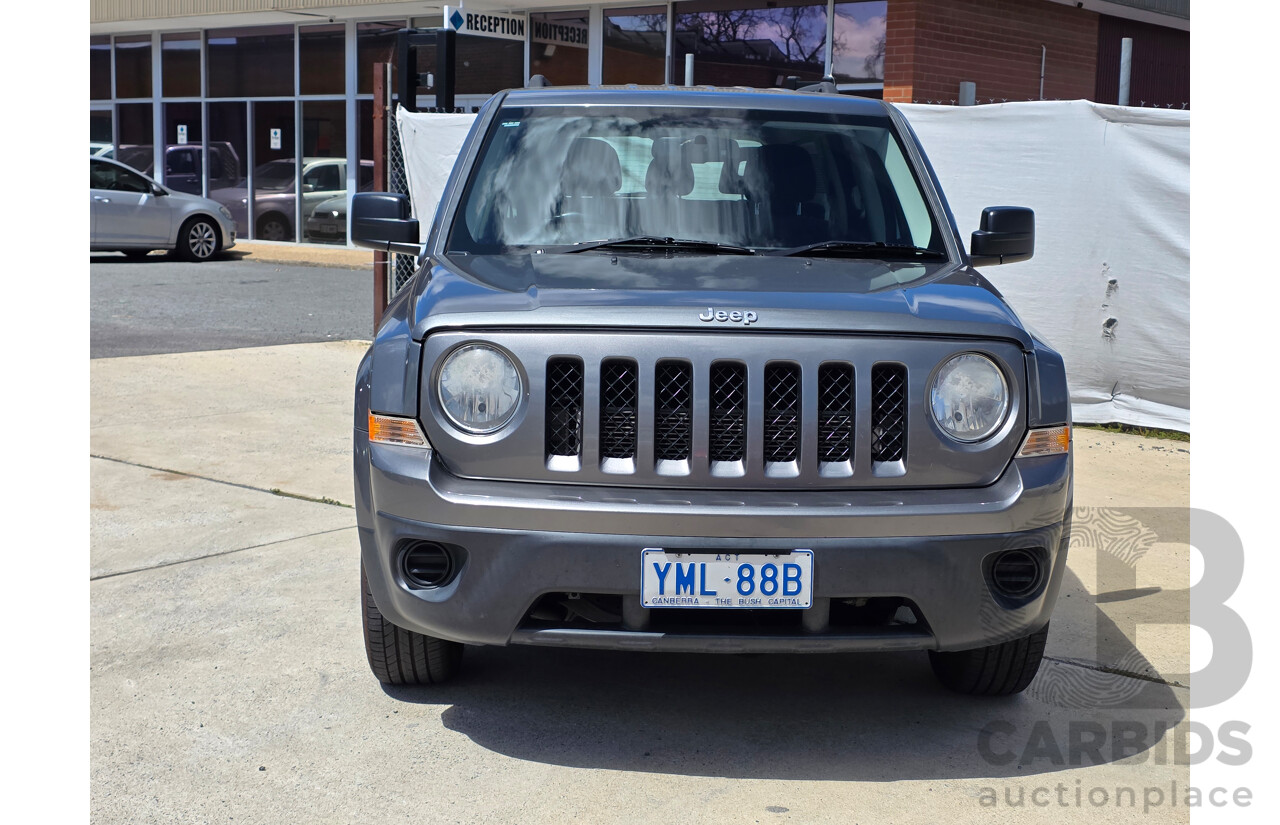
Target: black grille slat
<point>618,409</point>
<point>564,406</point>
<point>888,412</point>
<point>781,412</point>
<point>728,412</point>
<point>835,412</point>
<point>673,411</point>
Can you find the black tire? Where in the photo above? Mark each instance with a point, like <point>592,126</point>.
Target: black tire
<point>402,657</point>
<point>199,239</point>
<point>997,670</point>
<point>274,227</point>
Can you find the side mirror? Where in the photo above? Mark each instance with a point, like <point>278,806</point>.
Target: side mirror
<point>381,221</point>
<point>1006,235</point>
<point>158,190</point>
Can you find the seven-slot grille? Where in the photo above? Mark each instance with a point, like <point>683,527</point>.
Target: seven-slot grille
<point>727,414</point>
<point>564,406</point>
<point>673,411</point>
<point>618,408</point>
<point>728,411</point>
<point>835,413</point>
<point>781,412</point>
<point>888,412</point>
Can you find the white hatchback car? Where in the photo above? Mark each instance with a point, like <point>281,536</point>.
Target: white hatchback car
<point>131,213</point>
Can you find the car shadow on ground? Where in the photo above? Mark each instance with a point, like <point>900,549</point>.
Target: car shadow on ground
<point>156,257</point>
<point>815,717</point>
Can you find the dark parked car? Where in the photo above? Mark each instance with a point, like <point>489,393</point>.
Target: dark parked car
<point>184,165</point>
<point>328,221</point>
<point>706,371</point>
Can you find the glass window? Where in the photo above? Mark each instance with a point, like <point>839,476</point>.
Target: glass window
<point>857,50</point>
<point>324,148</point>
<point>635,45</point>
<point>103,175</point>
<point>325,178</point>
<point>182,137</point>
<point>274,176</point>
<point>558,47</point>
<point>554,176</point>
<point>375,43</point>
<point>750,42</point>
<point>251,62</point>
<point>228,154</point>
<point>136,141</point>
<point>100,67</point>
<point>180,64</point>
<point>486,64</point>
<point>133,66</point>
<point>322,55</point>
<point>100,133</point>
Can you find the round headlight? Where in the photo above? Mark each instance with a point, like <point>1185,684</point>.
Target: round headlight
<point>969,397</point>
<point>479,388</point>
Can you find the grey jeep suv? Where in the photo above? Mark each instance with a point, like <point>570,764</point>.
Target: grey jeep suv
<point>706,370</point>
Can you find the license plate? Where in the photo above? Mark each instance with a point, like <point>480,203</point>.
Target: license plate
<point>736,580</point>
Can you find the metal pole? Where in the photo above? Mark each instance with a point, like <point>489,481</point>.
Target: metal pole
<point>381,85</point>
<point>1044,52</point>
<point>968,93</point>
<point>1126,68</point>
<point>446,65</point>
<point>688,69</point>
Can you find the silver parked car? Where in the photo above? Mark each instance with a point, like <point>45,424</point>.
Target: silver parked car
<point>133,214</point>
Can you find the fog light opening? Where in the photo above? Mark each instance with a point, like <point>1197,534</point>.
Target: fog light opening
<point>426,564</point>
<point>1016,573</point>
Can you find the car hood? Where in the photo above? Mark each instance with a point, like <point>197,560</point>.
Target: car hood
<point>657,291</point>
<point>194,200</point>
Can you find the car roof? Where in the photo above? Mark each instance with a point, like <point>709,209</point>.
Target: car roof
<point>720,97</point>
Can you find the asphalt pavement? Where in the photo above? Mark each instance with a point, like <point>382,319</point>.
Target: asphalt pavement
<point>160,304</point>
<point>228,681</point>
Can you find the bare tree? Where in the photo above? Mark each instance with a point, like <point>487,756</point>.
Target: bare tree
<point>721,26</point>
<point>874,64</point>
<point>803,33</point>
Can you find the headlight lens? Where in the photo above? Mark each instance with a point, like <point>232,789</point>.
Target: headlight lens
<point>479,388</point>
<point>969,397</point>
<point>226,213</point>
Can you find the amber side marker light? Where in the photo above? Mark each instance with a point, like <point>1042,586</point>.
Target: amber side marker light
<point>1046,441</point>
<point>391,429</point>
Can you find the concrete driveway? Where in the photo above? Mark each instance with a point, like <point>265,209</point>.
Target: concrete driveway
<point>228,679</point>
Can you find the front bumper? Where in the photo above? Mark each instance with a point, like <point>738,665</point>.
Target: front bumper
<point>326,229</point>
<point>522,541</point>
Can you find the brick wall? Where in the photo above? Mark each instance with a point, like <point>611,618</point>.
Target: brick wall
<point>933,45</point>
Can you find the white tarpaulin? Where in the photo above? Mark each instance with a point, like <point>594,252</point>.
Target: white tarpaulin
<point>1109,286</point>
<point>430,143</point>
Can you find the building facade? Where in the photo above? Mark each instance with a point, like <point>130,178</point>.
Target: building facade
<point>223,97</point>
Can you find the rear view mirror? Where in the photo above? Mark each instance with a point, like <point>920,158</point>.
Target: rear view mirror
<point>1006,235</point>
<point>382,221</point>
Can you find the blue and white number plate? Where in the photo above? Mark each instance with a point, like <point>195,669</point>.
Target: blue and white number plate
<point>753,580</point>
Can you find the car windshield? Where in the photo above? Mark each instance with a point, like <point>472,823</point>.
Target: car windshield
<point>554,177</point>
<point>274,176</point>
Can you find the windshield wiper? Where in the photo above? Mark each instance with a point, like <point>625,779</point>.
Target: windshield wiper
<point>863,249</point>
<point>659,242</point>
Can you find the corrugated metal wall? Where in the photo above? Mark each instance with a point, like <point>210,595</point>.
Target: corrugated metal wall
<point>110,11</point>
<point>1161,69</point>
